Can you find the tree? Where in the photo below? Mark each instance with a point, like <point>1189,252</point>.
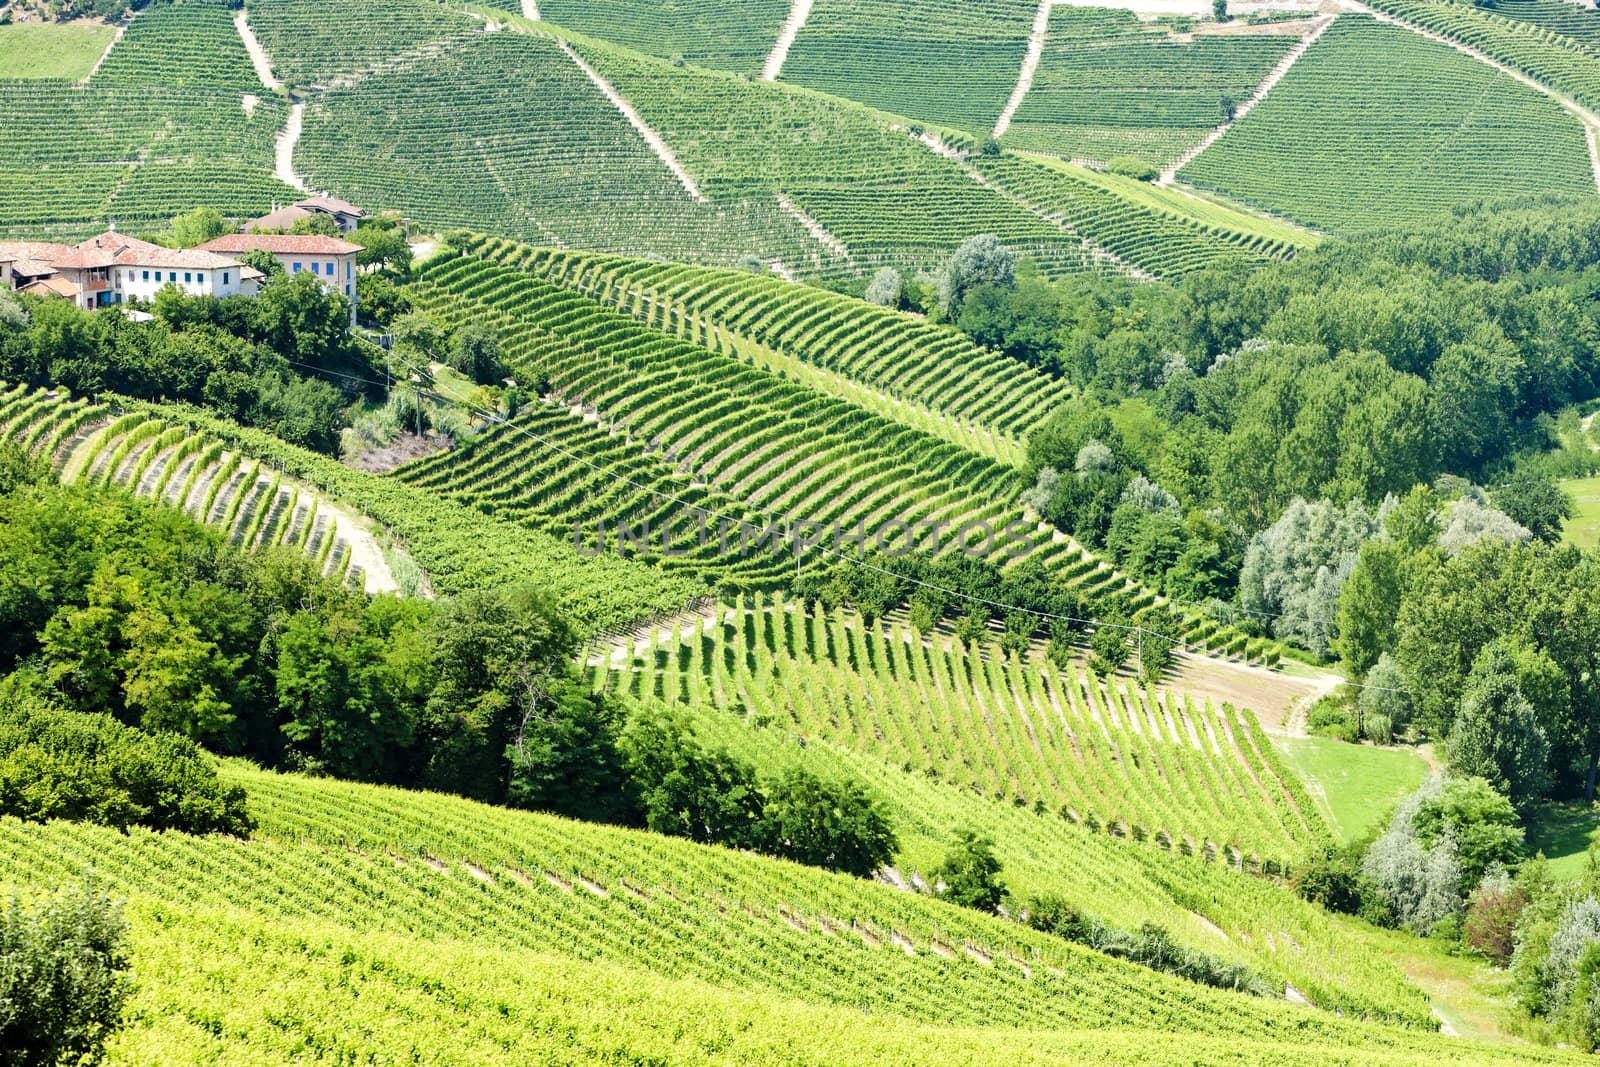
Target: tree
<point>1131,167</point>
<point>971,873</point>
<point>266,263</point>
<point>1481,822</point>
<point>565,757</point>
<point>475,352</point>
<point>1471,522</point>
<point>1385,705</point>
<point>316,223</point>
<point>197,227</point>
<point>1536,502</point>
<point>884,288</point>
<point>63,979</point>
<point>1496,735</point>
<point>980,260</point>
<point>1492,916</point>
<point>686,789</point>
<point>1226,103</point>
<point>1219,10</point>
<point>834,825</point>
<point>384,246</point>
<point>1369,601</point>
<point>1294,569</point>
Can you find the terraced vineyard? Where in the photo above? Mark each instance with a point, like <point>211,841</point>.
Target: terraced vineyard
<point>1375,107</point>
<point>946,62</point>
<point>1575,21</point>
<point>181,44</point>
<point>311,42</point>
<point>1564,63</point>
<point>936,379</point>
<point>1157,764</point>
<point>74,156</point>
<point>781,450</point>
<point>344,870</point>
<point>879,196</point>
<point>720,34</point>
<point>546,156</point>
<point>1110,85</point>
<point>170,462</point>
<point>1152,241</point>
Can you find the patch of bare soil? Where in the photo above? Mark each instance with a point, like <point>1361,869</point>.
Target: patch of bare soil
<point>403,449</point>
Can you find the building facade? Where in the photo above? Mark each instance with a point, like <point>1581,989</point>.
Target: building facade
<point>114,268</point>
<point>331,260</point>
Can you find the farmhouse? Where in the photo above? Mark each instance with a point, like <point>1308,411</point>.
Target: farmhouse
<point>344,214</point>
<point>113,268</point>
<point>331,259</point>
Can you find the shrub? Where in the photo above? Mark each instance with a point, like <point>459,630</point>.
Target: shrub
<point>57,764</point>
<point>62,979</point>
<point>971,873</point>
<point>1129,167</point>
<point>1496,906</point>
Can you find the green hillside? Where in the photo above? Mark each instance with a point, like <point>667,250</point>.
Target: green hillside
<point>1110,85</point>
<point>1373,106</point>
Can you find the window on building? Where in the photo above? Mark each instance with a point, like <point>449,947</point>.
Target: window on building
<point>295,269</point>
<point>146,275</point>
<point>188,276</point>
<point>224,277</point>
<point>347,270</point>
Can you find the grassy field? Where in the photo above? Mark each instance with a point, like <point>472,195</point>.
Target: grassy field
<point>1583,529</point>
<point>50,49</point>
<point>1561,832</point>
<point>1357,784</point>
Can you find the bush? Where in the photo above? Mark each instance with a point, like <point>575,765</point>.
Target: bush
<point>833,825</point>
<point>57,764</point>
<point>1332,717</point>
<point>1129,167</point>
<point>971,873</point>
<point>62,979</point>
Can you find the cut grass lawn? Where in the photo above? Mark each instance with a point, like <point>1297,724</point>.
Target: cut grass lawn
<point>1356,785</point>
<point>1583,529</point>
<point>1561,832</point>
<point>51,49</point>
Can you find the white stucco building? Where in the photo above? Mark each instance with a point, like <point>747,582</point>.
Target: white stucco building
<point>114,268</point>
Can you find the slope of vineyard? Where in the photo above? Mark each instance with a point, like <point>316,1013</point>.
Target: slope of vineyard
<point>338,874</point>
<point>1110,85</point>
<point>722,34</point>
<point>947,62</point>
<point>974,397</point>
<point>313,41</point>
<point>800,458</point>
<point>874,190</point>
<point>1566,64</point>
<point>1579,22</point>
<point>207,464</point>
<point>1157,763</point>
<point>74,156</point>
<point>1371,108</point>
<point>181,44</point>
<point>504,132</point>
<point>1152,241</point>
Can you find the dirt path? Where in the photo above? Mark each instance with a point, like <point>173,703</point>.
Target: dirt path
<point>651,137</point>
<point>1590,120</point>
<point>814,228</point>
<point>1030,66</point>
<point>1170,174</point>
<point>258,55</point>
<point>284,144</point>
<point>121,28</point>
<point>530,9</point>
<point>799,11</point>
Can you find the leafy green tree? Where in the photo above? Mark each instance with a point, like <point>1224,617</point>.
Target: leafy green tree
<point>1535,501</point>
<point>1480,821</point>
<point>980,260</point>
<point>266,263</point>
<point>833,825</point>
<point>565,757</point>
<point>475,352</point>
<point>971,873</point>
<point>197,227</point>
<point>686,789</point>
<point>1496,735</point>
<point>63,978</point>
<point>1385,704</point>
<point>1369,601</point>
<point>885,288</point>
<point>383,246</point>
<point>316,224</point>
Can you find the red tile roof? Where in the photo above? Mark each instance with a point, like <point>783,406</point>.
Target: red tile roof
<point>55,285</point>
<point>281,243</point>
<point>330,204</point>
